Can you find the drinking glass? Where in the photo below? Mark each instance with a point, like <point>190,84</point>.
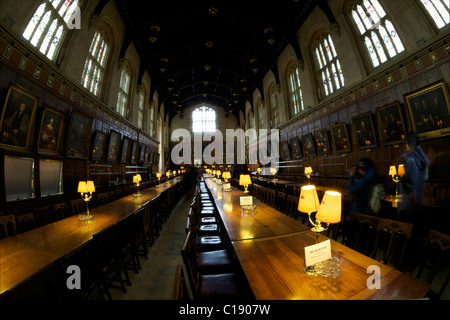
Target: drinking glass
<point>324,283</point>
<point>335,280</point>
<point>317,276</point>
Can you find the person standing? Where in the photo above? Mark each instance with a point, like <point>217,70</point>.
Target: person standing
<point>361,178</point>
<point>412,184</point>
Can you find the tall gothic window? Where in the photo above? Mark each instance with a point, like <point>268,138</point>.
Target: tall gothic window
<point>261,115</point>
<point>140,119</point>
<point>329,68</point>
<point>439,10</point>
<point>274,109</point>
<point>295,90</point>
<point>124,87</point>
<point>377,31</point>
<point>49,24</point>
<point>95,65</point>
<point>151,120</point>
<point>203,120</point>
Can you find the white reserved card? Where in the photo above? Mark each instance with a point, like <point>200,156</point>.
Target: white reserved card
<point>246,201</point>
<point>227,186</point>
<point>317,253</point>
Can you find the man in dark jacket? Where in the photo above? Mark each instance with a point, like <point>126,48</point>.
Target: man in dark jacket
<point>361,178</point>
<point>412,184</point>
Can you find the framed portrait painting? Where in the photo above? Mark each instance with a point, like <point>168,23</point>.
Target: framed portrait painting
<point>51,130</point>
<point>429,109</point>
<point>98,146</point>
<point>17,118</point>
<point>308,143</point>
<point>134,150</point>
<point>392,125</point>
<point>322,142</point>
<point>295,147</point>
<point>113,146</point>
<point>125,155</point>
<point>340,138</point>
<point>79,136</point>
<point>286,152</point>
<point>365,131</point>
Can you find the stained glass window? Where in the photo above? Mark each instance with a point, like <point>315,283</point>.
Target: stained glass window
<point>203,120</point>
<point>275,116</point>
<point>439,10</point>
<point>295,90</point>
<point>48,25</point>
<point>377,31</point>
<point>141,108</point>
<point>94,67</point>
<point>328,65</point>
<point>124,87</point>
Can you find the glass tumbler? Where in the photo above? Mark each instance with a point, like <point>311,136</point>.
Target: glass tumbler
<point>317,276</point>
<point>335,280</point>
<point>324,283</point>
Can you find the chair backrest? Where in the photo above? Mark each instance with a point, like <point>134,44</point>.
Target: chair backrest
<point>102,198</point>
<point>25,222</point>
<point>360,232</point>
<point>270,198</point>
<point>280,202</point>
<point>77,206</point>
<point>391,241</point>
<point>436,256</point>
<point>7,226</point>
<point>189,255</point>
<point>45,215</point>
<point>180,291</point>
<point>292,205</point>
<point>61,210</point>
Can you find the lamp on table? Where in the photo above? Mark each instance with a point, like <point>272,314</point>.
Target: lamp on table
<point>86,188</point>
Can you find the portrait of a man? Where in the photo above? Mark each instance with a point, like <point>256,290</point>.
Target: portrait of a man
<point>340,137</point>
<point>17,117</point>
<point>50,131</point>
<point>365,131</point>
<point>392,124</point>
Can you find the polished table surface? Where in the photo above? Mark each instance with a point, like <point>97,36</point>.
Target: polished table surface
<point>264,221</point>
<point>271,250</point>
<point>25,254</point>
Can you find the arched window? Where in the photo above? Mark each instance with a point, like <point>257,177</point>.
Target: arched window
<point>124,87</point>
<point>261,114</point>
<point>151,120</point>
<point>274,109</point>
<point>377,31</point>
<point>328,66</point>
<point>140,118</point>
<point>295,90</point>
<point>439,10</point>
<point>49,24</point>
<point>95,65</point>
<point>203,120</point>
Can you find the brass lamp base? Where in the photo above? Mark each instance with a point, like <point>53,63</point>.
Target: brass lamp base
<point>309,270</point>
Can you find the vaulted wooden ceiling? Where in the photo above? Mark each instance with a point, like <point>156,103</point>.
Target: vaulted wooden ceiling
<point>213,51</point>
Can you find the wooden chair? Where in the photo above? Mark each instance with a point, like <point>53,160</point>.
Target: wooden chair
<point>45,215</point>
<point>270,197</point>
<point>292,207</point>
<point>25,222</point>
<point>391,241</point>
<point>77,206</point>
<point>435,258</point>
<point>7,226</point>
<point>215,284</point>
<point>61,210</point>
<point>360,232</point>
<point>102,198</point>
<point>280,202</point>
<point>180,291</point>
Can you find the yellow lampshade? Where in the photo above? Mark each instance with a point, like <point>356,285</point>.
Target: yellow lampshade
<point>401,170</point>
<point>82,187</point>
<point>226,175</point>
<point>214,172</point>
<point>137,178</point>
<point>259,170</point>
<point>308,170</point>
<point>168,174</point>
<point>158,174</point>
<point>245,180</point>
<point>273,170</point>
<point>308,201</point>
<point>179,171</point>
<point>90,186</point>
<point>392,171</point>
<point>174,172</point>
<point>218,173</point>
<point>330,208</point>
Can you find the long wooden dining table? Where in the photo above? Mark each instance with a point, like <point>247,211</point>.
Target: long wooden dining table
<point>25,254</point>
<point>270,247</point>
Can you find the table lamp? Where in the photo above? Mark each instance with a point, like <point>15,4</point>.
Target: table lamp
<point>226,175</point>
<point>274,172</point>
<point>168,174</point>
<point>245,180</point>
<point>218,173</point>
<point>308,171</point>
<point>174,173</point>
<point>86,188</point>
<point>136,179</point>
<point>158,175</point>
<point>259,171</point>
<point>396,177</point>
